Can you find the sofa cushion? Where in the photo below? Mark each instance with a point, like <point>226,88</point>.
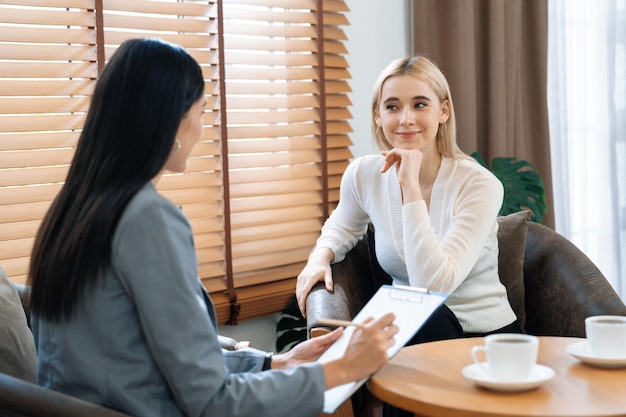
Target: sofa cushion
<point>18,357</point>
<point>512,244</point>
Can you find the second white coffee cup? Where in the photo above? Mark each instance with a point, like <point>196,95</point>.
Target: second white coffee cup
<point>509,356</point>
<point>606,336</point>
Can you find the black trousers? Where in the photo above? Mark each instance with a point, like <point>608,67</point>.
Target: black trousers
<point>442,325</point>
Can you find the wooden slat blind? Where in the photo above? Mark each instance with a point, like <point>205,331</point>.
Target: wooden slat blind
<point>47,72</point>
<point>283,79</point>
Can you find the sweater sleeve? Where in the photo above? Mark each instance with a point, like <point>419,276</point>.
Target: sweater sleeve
<point>441,260</point>
<point>155,255</point>
<point>347,224</point>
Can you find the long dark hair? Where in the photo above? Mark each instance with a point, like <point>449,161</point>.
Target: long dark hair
<point>137,106</point>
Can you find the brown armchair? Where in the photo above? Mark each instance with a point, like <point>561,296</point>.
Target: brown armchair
<point>559,288</point>
<point>552,286</point>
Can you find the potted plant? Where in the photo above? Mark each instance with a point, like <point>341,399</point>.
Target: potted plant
<point>291,327</point>
<point>523,186</point>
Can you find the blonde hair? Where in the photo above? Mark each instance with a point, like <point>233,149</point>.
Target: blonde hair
<point>427,71</point>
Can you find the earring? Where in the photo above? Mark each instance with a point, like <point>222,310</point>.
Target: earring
<point>177,146</point>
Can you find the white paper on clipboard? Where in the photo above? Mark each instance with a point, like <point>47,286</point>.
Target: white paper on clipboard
<point>412,307</point>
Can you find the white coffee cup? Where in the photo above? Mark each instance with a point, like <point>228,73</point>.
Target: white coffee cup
<point>509,356</point>
<point>606,336</point>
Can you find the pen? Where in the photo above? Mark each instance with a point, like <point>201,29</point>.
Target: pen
<point>334,322</point>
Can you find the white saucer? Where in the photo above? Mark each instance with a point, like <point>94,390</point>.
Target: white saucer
<point>539,375</point>
<point>582,352</point>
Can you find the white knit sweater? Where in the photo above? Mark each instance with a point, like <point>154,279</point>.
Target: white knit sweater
<point>453,249</point>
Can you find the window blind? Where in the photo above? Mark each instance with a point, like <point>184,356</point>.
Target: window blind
<point>266,171</point>
<point>47,71</point>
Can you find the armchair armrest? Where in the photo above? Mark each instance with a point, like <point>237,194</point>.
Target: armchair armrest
<point>23,399</point>
<point>355,280</point>
<point>322,303</point>
<point>562,286</point>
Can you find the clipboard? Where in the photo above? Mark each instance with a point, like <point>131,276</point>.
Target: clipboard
<point>412,307</point>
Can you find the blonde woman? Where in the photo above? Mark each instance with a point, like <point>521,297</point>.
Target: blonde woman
<point>433,208</point>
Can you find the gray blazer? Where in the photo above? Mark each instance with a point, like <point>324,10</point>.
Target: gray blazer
<point>144,340</point>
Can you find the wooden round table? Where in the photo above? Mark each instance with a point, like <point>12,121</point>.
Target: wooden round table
<point>427,380</point>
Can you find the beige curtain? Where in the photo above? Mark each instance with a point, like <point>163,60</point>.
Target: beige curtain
<point>494,54</point>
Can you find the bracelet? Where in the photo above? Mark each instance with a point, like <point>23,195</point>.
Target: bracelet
<point>267,362</point>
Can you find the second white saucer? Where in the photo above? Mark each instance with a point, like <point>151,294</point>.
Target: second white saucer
<point>539,375</point>
<point>582,352</point>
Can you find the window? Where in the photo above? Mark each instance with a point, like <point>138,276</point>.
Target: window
<point>586,94</point>
<point>266,172</point>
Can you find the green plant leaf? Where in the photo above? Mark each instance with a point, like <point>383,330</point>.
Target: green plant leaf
<point>291,327</point>
<point>290,338</point>
<point>287,322</point>
<point>523,186</point>
<point>480,159</point>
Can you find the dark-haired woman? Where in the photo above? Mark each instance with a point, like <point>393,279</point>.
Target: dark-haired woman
<point>120,317</point>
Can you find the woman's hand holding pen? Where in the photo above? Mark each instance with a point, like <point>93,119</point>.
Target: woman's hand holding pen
<point>307,351</point>
<point>366,352</point>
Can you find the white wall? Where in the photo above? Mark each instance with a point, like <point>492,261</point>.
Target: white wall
<point>261,332</point>
<point>378,33</point>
